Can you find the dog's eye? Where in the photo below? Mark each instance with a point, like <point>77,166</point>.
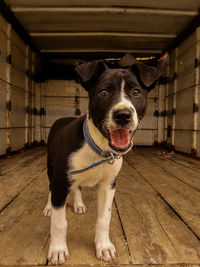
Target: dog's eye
<point>103,93</point>
<point>136,92</point>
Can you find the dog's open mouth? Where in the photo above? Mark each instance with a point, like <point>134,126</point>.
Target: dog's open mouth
<point>120,139</point>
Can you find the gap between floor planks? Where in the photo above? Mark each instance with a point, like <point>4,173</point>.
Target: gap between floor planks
<point>150,239</point>
<point>182,197</point>
<point>115,265</point>
<point>151,225</point>
<point>16,180</point>
<point>189,174</point>
<point>12,162</point>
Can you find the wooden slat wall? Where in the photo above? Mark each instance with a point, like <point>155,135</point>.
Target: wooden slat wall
<point>3,85</point>
<point>59,98</point>
<point>148,131</point>
<point>182,92</point>
<point>17,91</point>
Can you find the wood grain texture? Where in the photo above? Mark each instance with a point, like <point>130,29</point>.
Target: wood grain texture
<point>15,181</point>
<point>181,197</point>
<point>80,233</point>
<point>188,174</point>
<point>154,221</point>
<point>150,225</point>
<point>19,160</point>
<point>25,230</point>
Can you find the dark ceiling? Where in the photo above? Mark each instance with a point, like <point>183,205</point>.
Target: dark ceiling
<point>67,31</point>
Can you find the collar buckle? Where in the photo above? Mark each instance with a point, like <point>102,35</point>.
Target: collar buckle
<point>113,157</point>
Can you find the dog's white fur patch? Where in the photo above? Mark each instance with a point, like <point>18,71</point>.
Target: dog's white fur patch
<point>123,103</point>
<point>104,248</point>
<point>85,156</point>
<point>58,251</point>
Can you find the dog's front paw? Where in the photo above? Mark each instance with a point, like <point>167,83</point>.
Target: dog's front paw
<point>105,250</point>
<point>79,208</point>
<point>57,254</point>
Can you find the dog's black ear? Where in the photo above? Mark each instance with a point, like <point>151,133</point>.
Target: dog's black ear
<point>147,75</point>
<point>90,71</point>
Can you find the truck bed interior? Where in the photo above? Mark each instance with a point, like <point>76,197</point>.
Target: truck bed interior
<point>156,211</point>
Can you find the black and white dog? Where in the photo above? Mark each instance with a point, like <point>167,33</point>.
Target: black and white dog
<point>88,150</point>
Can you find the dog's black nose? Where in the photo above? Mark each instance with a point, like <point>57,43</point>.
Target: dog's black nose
<point>122,116</point>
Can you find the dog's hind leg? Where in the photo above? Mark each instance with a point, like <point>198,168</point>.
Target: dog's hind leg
<point>48,208</point>
<point>105,250</point>
<point>79,206</point>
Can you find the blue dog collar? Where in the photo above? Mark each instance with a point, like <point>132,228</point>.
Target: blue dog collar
<point>108,156</point>
<point>93,146</point>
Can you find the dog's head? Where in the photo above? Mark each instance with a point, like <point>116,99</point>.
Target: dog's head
<point>117,99</point>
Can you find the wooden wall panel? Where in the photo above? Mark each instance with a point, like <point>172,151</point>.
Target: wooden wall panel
<point>61,99</point>
<point>3,54</point>
<point>198,144</point>
<point>184,106</point>
<point>3,118</point>
<point>185,126</point>
<point>148,129</point>
<point>17,118</point>
<point>183,141</point>
<point>17,138</point>
<point>3,100</point>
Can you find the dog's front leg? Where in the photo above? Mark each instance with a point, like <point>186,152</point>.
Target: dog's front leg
<point>58,251</point>
<point>105,250</point>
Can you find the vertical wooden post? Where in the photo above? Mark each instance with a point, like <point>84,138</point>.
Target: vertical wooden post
<point>195,102</point>
<point>26,97</point>
<point>166,102</point>
<point>8,85</point>
<point>32,69</point>
<point>174,99</point>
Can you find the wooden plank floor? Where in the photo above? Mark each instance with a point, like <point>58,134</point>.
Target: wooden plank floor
<point>155,221</point>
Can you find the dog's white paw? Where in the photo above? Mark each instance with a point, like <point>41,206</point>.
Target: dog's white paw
<point>105,250</point>
<point>47,211</point>
<point>80,208</point>
<point>57,254</point>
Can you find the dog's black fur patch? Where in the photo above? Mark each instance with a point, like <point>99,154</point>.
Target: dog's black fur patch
<point>65,136</point>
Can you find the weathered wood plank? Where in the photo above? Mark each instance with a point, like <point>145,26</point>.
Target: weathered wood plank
<point>15,181</point>
<point>116,265</point>
<point>182,197</point>
<point>12,162</point>
<point>80,234</point>
<point>150,225</point>
<point>186,174</point>
<point>25,230</point>
<point>186,161</point>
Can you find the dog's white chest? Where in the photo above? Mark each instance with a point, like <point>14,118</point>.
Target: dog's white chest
<point>104,172</point>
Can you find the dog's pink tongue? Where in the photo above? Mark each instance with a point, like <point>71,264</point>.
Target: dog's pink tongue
<point>120,138</point>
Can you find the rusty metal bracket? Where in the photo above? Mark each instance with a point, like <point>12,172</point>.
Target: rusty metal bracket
<point>163,113</point>
<point>195,107</point>
<point>156,113</point>
<point>35,111</point>
<point>196,63</point>
<point>9,105</point>
<point>173,111</point>
<point>9,59</point>
<point>42,112</point>
<point>27,109</point>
